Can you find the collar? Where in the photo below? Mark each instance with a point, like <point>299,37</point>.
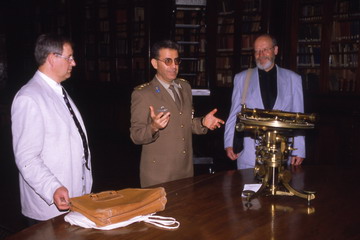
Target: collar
<point>52,83</point>
<point>166,85</point>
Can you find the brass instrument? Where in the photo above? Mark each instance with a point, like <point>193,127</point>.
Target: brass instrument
<point>274,136</point>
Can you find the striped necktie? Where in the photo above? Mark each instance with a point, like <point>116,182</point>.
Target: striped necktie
<point>81,132</point>
<point>176,96</point>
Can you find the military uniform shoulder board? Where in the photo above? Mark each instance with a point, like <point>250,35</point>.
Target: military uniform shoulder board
<point>141,86</point>
<point>182,80</point>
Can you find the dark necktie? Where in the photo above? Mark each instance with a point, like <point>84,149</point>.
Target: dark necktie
<point>176,97</point>
<point>81,132</point>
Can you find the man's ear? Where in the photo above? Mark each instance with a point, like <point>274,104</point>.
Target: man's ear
<point>276,49</point>
<point>154,63</point>
<point>50,59</point>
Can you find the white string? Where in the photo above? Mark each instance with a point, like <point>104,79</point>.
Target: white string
<point>163,222</point>
<point>76,218</point>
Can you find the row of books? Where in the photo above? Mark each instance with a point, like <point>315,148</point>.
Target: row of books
<point>226,6</point>
<point>307,61</point>
<point>311,19</point>
<point>246,61</point>
<point>224,62</point>
<point>225,24</point>
<point>191,48</point>
<point>348,6</point>
<point>139,14</point>
<point>251,18</point>
<point>138,46</point>
<point>308,55</point>
<point>247,41</point>
<point>225,43</point>
<point>312,10</point>
<point>342,81</point>
<point>344,47</point>
<point>346,30</point>
<point>309,32</point>
<point>250,6</point>
<point>344,60</point>
<point>224,78</point>
<point>192,66</point>
<point>250,27</point>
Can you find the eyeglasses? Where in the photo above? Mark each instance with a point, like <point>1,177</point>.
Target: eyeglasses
<point>264,51</point>
<point>169,61</point>
<point>69,59</point>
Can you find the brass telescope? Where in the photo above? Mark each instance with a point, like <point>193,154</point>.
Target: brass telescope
<point>274,133</point>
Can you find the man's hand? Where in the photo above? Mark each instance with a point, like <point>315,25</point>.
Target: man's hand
<point>212,122</point>
<point>230,153</point>
<point>296,160</point>
<point>61,198</point>
<point>159,121</point>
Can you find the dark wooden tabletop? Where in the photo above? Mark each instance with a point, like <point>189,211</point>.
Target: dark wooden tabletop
<point>211,207</point>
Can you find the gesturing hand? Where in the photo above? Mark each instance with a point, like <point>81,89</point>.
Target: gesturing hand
<point>160,120</point>
<point>212,122</point>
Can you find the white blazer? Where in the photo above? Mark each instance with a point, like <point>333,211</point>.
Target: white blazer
<point>47,147</point>
<point>289,98</point>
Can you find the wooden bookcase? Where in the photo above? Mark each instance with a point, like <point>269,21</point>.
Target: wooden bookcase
<point>344,48</point>
<point>327,45</point>
<point>189,31</point>
<point>115,41</point>
<point>236,27</point>
<point>309,42</point>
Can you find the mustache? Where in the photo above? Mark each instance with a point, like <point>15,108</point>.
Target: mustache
<point>264,58</point>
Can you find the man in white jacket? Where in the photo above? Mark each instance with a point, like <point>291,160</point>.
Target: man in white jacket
<point>52,158</point>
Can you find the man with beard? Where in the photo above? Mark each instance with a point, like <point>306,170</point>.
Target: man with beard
<point>270,87</point>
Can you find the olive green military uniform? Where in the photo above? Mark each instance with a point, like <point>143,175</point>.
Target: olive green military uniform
<point>166,155</point>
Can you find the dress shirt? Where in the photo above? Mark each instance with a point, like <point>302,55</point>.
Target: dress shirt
<point>167,85</point>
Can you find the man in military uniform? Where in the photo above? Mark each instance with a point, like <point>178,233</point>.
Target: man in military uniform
<point>162,121</point>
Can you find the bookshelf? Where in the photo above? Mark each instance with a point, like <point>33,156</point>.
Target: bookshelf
<point>189,31</point>
<point>309,43</point>
<point>251,25</point>
<point>139,43</point>
<point>122,41</point>
<point>116,41</point>
<point>238,23</point>
<point>344,47</point>
<point>225,43</point>
<point>327,50</point>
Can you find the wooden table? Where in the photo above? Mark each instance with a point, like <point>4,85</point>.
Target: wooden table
<point>211,207</point>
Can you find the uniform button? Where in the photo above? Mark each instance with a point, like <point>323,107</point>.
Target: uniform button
<point>154,161</point>
<point>184,152</point>
<point>180,113</point>
<point>183,139</point>
<point>181,125</point>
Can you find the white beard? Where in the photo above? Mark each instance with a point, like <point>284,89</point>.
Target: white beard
<point>265,66</point>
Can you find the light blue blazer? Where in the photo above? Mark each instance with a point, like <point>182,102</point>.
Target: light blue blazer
<point>289,98</point>
<point>47,147</point>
